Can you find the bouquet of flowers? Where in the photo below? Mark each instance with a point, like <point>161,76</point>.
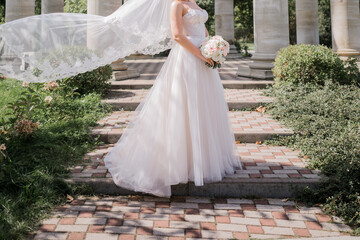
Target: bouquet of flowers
<point>215,48</point>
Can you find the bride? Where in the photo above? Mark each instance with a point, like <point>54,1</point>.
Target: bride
<point>181,131</point>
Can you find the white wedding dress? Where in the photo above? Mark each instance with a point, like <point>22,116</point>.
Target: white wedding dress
<point>181,131</point>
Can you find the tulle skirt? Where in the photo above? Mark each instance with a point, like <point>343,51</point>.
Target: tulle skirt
<point>180,132</point>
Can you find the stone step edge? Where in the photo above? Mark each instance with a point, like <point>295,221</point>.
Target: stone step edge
<point>249,137</point>
<point>238,188</point>
<point>229,85</point>
<point>130,106</point>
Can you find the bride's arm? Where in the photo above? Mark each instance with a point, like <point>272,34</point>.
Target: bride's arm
<point>177,32</point>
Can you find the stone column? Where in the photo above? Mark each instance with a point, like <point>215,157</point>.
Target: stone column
<point>345,23</point>
<point>224,24</point>
<point>105,8</point>
<point>52,6</point>
<point>307,21</point>
<point>271,32</point>
<point>16,9</point>
<point>224,19</point>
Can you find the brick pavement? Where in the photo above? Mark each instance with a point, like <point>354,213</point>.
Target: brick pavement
<point>258,160</point>
<point>146,217</point>
<point>248,126</point>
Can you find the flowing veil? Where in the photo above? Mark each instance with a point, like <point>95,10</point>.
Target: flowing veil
<point>53,46</point>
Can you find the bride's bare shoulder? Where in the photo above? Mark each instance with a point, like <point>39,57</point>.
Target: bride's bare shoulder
<point>177,4</point>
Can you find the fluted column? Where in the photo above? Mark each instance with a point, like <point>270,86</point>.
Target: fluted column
<point>224,19</point>
<point>345,24</point>
<point>52,6</point>
<point>307,21</point>
<point>224,24</point>
<point>105,8</point>
<point>271,32</point>
<point>16,9</point>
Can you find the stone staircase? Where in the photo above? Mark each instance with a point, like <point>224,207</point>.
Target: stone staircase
<point>268,171</point>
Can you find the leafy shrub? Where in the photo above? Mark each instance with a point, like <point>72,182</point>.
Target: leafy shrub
<point>326,123</point>
<point>93,81</point>
<point>32,168</point>
<point>310,64</point>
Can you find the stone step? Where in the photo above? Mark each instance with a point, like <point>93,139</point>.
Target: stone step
<point>268,171</point>
<point>129,99</point>
<point>149,69</point>
<point>248,126</point>
<point>143,83</point>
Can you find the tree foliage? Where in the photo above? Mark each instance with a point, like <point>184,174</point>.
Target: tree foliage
<point>209,6</point>
<point>292,21</point>
<point>37,7</point>
<point>243,15</point>
<point>75,6</point>
<point>325,23</point>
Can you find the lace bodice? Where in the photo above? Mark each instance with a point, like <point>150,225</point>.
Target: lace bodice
<point>194,23</point>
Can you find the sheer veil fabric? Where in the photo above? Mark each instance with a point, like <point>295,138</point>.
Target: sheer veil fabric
<point>54,46</point>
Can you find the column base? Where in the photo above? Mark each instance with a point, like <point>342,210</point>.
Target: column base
<point>262,74</point>
<point>260,68</point>
<point>119,66</point>
<point>121,71</point>
<point>233,54</point>
<point>127,74</point>
<point>347,52</point>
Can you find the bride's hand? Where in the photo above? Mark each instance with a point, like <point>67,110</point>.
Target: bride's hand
<point>208,60</point>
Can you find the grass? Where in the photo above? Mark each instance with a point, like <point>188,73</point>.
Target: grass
<point>327,131</point>
<point>251,45</point>
<point>10,89</point>
<point>32,175</point>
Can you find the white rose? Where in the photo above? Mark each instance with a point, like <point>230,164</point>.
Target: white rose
<point>26,84</point>
<point>48,99</point>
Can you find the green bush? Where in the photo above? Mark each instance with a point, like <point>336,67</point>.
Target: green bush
<point>94,81</point>
<point>36,158</point>
<point>310,64</point>
<point>326,125</point>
